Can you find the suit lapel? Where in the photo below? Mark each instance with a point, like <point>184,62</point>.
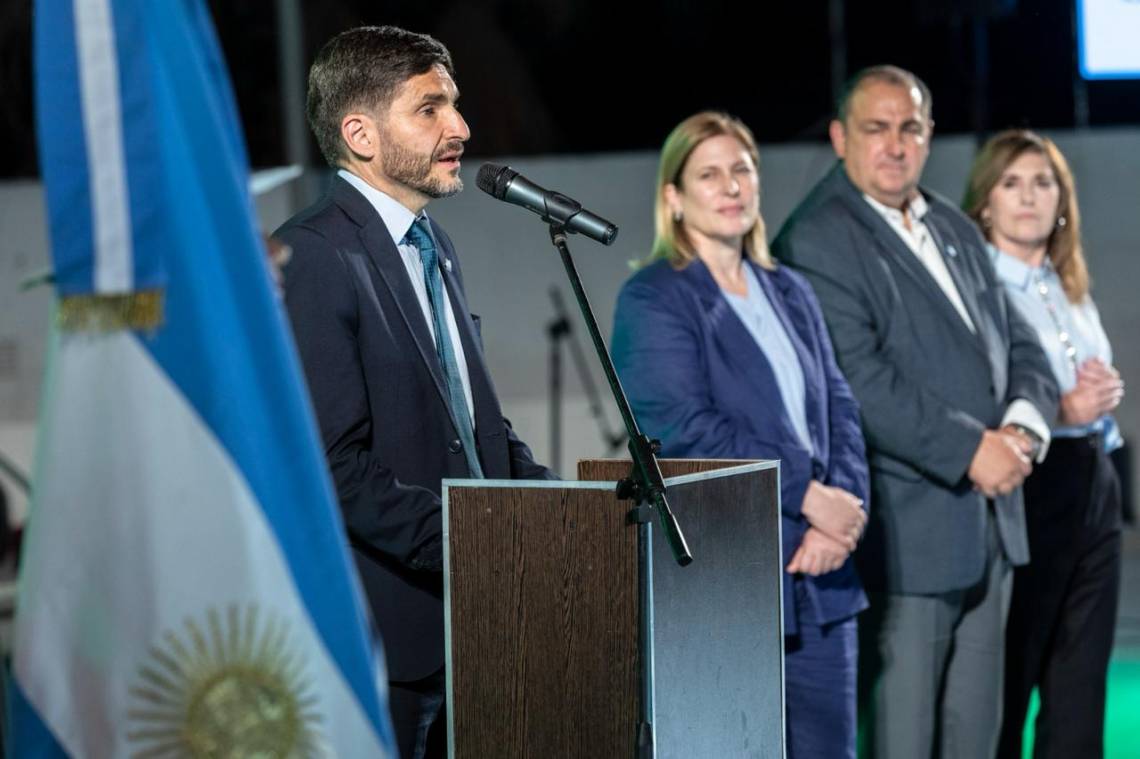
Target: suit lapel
<point>778,290</point>
<point>385,257</point>
<point>951,249</point>
<point>737,342</point>
<point>729,331</point>
<point>905,259</point>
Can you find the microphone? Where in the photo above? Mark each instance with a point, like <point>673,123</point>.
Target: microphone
<point>504,183</point>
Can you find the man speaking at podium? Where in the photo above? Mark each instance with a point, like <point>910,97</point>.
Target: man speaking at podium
<point>391,352</point>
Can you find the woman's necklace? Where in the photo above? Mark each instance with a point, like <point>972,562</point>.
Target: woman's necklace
<point>1044,290</point>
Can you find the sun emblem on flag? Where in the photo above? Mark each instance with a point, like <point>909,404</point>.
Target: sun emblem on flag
<point>230,687</point>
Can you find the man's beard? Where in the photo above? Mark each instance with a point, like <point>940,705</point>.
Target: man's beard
<point>414,170</point>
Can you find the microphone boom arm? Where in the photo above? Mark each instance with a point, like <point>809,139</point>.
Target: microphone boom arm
<point>645,483</point>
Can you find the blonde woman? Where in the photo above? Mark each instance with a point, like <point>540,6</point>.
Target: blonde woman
<point>724,355</point>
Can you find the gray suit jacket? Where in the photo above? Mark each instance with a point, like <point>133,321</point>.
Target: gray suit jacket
<point>927,385</point>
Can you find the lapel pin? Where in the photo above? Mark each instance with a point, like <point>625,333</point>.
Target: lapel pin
<point>447,264</point>
<point>951,251</point>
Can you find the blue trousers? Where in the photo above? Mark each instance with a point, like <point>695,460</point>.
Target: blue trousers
<point>819,690</point>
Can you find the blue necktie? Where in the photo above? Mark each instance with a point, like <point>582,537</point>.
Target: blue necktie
<point>419,236</point>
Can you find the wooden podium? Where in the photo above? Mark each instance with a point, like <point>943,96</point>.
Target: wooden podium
<point>542,607</point>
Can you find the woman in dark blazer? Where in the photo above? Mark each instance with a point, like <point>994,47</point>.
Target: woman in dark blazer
<point>725,355</point>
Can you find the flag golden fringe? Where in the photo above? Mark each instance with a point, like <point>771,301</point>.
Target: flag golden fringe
<point>109,313</point>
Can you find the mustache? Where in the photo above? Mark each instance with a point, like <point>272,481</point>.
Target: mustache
<point>455,146</point>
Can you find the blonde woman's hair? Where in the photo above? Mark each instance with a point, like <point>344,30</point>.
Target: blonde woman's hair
<point>670,241</point>
<point>1064,245</point>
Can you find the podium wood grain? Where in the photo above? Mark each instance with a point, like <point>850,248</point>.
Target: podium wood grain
<point>544,607</point>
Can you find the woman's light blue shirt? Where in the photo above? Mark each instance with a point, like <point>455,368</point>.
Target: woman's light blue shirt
<point>769,333</point>
<point>1080,320</point>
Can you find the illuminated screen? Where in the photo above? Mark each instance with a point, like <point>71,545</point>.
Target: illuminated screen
<point>1108,33</point>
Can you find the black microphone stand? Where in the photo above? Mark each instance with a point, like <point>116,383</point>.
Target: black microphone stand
<point>644,486</point>
<point>559,330</point>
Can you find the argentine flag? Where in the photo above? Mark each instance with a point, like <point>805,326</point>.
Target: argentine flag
<point>185,589</point>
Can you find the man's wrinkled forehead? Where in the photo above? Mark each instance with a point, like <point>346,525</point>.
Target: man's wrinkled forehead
<point>872,92</point>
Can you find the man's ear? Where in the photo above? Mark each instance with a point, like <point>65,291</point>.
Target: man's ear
<point>358,130</point>
<point>838,134</point>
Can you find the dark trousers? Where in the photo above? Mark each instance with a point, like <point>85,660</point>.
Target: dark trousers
<point>819,690</point>
<point>1063,612</point>
<point>419,716</point>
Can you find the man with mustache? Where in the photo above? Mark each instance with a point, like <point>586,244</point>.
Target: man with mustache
<point>392,355</point>
<point>954,391</point>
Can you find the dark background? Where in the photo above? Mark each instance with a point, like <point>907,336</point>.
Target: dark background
<point>549,76</point>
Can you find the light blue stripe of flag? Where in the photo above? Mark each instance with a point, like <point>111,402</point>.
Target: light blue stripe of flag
<point>62,122</point>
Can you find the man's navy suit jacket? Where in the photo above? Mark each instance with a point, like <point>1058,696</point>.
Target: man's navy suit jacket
<point>697,380</point>
<point>380,400</point>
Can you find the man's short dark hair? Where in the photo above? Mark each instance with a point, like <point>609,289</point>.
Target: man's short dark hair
<point>362,68</point>
<point>882,73</point>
